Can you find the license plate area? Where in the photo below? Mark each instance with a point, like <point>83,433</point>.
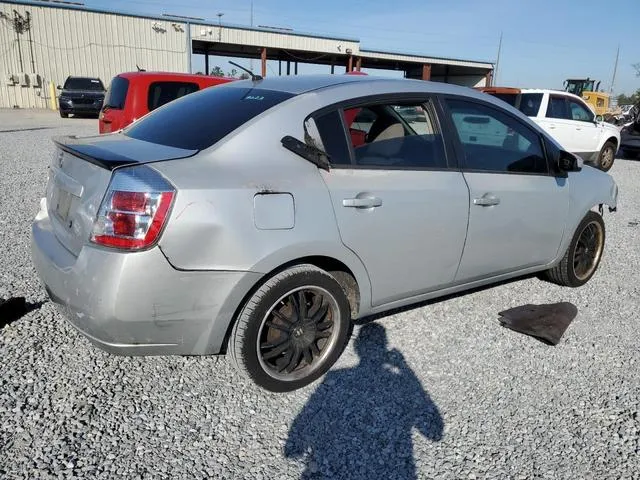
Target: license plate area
<point>61,203</point>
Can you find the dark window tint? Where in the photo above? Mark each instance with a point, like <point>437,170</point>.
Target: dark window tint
<point>199,120</point>
<point>558,108</point>
<point>579,111</point>
<point>510,98</point>
<point>117,93</point>
<point>395,135</point>
<point>333,138</point>
<point>164,92</point>
<point>493,141</point>
<point>78,83</point>
<point>530,104</point>
<point>527,103</point>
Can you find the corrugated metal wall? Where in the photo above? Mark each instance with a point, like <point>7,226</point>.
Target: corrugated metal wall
<point>280,40</point>
<point>69,42</point>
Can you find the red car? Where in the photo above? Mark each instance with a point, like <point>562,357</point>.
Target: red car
<point>134,94</point>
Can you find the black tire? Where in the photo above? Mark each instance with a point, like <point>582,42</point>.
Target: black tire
<point>607,156</point>
<point>567,273</point>
<point>64,115</point>
<point>259,333</point>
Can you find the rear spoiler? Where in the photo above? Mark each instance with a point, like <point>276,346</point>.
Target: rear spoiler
<point>117,150</point>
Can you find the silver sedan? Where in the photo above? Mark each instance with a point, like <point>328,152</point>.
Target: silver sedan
<point>259,218</point>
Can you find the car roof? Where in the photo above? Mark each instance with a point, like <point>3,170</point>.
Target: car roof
<point>186,76</point>
<point>299,84</point>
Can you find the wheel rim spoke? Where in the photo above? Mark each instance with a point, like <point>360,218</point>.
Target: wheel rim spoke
<point>308,356</point>
<point>322,311</point>
<point>323,335</point>
<point>276,352</point>
<point>314,349</point>
<point>276,326</point>
<point>275,345</point>
<point>315,305</point>
<point>281,316</point>
<point>295,361</point>
<point>324,325</point>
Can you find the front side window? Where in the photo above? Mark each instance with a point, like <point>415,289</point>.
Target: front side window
<point>558,108</point>
<point>495,142</point>
<point>397,135</point>
<point>164,92</point>
<point>579,112</point>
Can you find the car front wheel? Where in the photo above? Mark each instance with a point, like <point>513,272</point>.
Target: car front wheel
<point>292,329</point>
<point>607,156</point>
<point>582,258</point>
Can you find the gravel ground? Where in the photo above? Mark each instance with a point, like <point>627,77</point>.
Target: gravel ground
<point>453,393</point>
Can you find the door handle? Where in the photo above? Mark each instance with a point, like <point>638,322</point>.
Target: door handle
<point>552,127</point>
<point>368,202</point>
<point>486,201</point>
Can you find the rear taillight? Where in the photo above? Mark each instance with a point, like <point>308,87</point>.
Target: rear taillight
<point>134,210</point>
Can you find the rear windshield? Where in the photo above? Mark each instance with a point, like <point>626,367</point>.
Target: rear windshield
<point>527,103</point>
<point>117,93</point>
<point>83,84</point>
<point>164,92</point>
<point>199,120</point>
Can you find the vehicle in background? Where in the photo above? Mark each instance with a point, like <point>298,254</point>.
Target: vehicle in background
<point>568,119</point>
<point>132,95</point>
<point>265,234</point>
<point>81,96</point>
<point>630,133</point>
<point>588,90</point>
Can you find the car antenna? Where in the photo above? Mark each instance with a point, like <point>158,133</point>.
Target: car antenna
<point>140,69</point>
<point>254,77</point>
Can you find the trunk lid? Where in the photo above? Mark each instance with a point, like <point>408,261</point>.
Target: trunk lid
<point>79,176</point>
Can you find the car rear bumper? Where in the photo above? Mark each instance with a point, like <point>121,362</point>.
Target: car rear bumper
<point>137,303</point>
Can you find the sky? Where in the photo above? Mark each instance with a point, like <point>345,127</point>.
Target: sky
<point>544,42</point>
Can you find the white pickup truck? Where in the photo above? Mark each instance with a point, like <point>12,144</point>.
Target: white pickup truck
<point>568,119</point>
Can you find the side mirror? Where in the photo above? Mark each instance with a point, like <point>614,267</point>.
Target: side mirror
<point>599,118</point>
<point>59,87</point>
<point>568,162</point>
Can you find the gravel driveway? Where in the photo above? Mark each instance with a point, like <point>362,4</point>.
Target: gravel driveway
<point>441,391</point>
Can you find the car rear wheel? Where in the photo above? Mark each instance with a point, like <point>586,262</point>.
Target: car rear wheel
<point>292,329</point>
<point>607,156</point>
<point>582,258</point>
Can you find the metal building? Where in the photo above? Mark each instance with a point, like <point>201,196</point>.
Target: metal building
<point>44,41</point>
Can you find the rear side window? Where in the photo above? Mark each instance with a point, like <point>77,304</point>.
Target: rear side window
<point>558,108</point>
<point>394,136</point>
<point>199,120</point>
<point>495,142</point>
<point>164,92</point>
<point>117,93</point>
<point>530,104</point>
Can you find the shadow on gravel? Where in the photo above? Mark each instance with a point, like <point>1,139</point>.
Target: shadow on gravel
<point>359,422</point>
<point>414,306</point>
<point>14,308</point>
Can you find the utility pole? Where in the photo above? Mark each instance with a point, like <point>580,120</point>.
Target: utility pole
<point>220,26</point>
<point>495,73</point>
<point>615,69</point>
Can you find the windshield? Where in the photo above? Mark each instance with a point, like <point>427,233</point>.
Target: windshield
<point>83,84</point>
<point>198,120</point>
